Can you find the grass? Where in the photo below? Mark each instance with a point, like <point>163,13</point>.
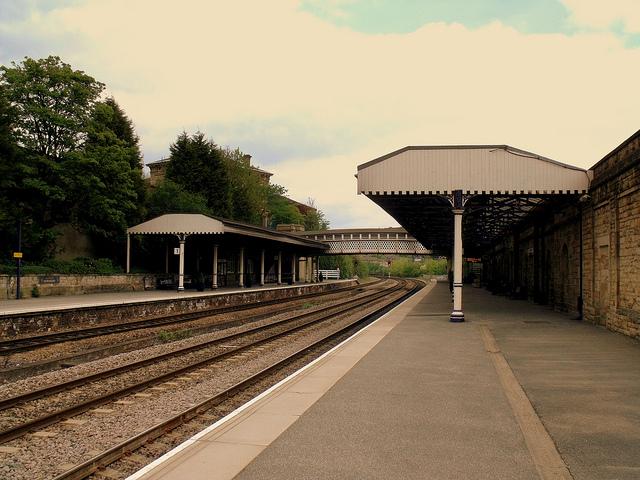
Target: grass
<point>167,337</point>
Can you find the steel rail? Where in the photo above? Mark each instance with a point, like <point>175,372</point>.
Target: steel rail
<point>19,430</point>
<point>8,347</point>
<point>83,380</point>
<point>113,454</point>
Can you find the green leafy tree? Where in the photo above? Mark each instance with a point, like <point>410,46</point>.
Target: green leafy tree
<point>122,127</point>
<point>281,210</point>
<point>315,219</point>
<point>171,197</point>
<point>19,191</point>
<point>53,103</point>
<point>9,176</point>
<point>104,178</point>
<point>247,190</point>
<point>198,166</point>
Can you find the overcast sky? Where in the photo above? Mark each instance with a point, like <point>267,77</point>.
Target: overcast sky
<point>313,88</point>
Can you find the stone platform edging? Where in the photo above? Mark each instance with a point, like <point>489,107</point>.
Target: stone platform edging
<point>33,323</point>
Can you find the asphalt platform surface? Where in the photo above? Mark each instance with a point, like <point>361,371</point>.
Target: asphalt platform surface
<point>427,402</point>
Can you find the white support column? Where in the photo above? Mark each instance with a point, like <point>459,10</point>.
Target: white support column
<point>314,269</point>
<point>457,315</point>
<point>182,238</point>
<point>262,267</point>
<point>241,267</point>
<point>214,276</point>
<point>293,267</point>
<point>128,253</point>
<point>280,267</point>
<point>309,269</point>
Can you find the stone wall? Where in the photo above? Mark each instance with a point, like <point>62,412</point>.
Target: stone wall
<point>541,259</point>
<point>26,324</point>
<point>611,231</point>
<point>73,284</point>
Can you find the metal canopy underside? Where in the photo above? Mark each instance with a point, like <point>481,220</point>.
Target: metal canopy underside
<point>501,186</point>
<point>487,218</point>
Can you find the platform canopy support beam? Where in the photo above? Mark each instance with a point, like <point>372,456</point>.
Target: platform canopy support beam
<point>214,276</point>
<point>457,315</point>
<point>293,268</point>
<point>128,253</point>
<point>280,267</point>
<point>182,238</point>
<point>262,254</point>
<point>241,267</point>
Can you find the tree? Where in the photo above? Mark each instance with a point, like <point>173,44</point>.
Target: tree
<point>9,177</point>
<point>104,179</point>
<point>198,166</point>
<point>315,219</point>
<point>247,190</point>
<point>109,115</point>
<point>280,208</point>
<point>53,103</point>
<point>170,197</point>
<point>19,192</point>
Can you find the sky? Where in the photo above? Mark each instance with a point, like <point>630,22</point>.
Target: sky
<point>313,88</point>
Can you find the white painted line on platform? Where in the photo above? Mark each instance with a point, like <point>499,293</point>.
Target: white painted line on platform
<point>170,454</point>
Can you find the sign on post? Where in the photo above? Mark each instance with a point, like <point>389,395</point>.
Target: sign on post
<point>176,251</point>
<point>17,254</point>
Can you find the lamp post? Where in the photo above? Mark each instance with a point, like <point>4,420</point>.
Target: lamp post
<point>18,256</point>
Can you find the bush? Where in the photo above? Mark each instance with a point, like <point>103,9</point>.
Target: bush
<point>343,262</point>
<point>77,266</point>
<point>362,269</point>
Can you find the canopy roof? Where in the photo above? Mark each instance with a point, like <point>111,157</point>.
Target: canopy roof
<point>471,168</point>
<point>501,185</point>
<point>179,223</point>
<point>198,224</point>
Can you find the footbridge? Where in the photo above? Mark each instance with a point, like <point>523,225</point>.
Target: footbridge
<point>368,241</point>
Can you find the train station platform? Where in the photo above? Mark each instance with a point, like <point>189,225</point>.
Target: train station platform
<point>516,392</point>
<point>65,302</point>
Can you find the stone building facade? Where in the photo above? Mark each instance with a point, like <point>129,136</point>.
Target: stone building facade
<point>611,241</point>
<point>581,254</point>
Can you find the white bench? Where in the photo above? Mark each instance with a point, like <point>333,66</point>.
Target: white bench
<point>329,274</point>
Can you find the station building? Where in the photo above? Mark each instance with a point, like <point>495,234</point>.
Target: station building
<point>545,231</point>
<point>210,252</point>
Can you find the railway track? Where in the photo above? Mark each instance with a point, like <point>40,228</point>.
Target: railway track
<point>293,324</point>
<point>9,347</point>
<point>194,413</point>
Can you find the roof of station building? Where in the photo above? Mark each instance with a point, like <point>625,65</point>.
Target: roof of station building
<point>199,224</point>
<point>471,168</point>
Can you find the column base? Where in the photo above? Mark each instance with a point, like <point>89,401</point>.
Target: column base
<point>181,289</point>
<point>456,317</point>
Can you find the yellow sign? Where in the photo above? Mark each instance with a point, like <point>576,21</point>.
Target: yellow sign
<point>17,254</point>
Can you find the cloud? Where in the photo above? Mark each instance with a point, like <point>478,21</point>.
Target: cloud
<point>605,14</point>
<point>310,100</point>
